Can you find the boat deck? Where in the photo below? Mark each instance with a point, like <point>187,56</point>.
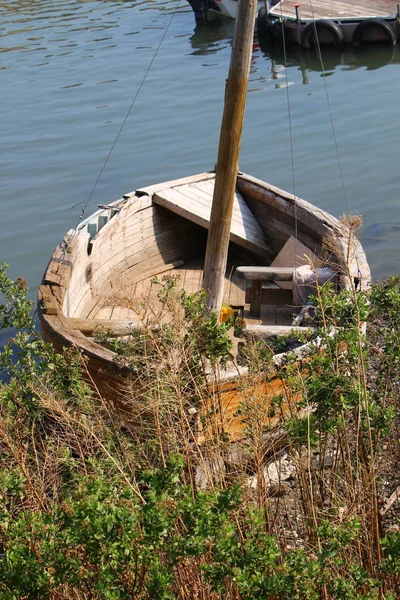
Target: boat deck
<point>193,201</point>
<point>142,298</point>
<point>189,277</point>
<point>329,9</point>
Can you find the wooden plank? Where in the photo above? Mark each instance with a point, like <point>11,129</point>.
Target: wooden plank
<point>113,327</point>
<point>104,313</point>
<point>152,189</point>
<point>59,269</point>
<point>50,299</point>
<point>148,263</point>
<point>331,9</point>
<point>199,214</point>
<point>266,331</point>
<point>109,251</point>
<point>318,220</point>
<point>295,254</point>
<point>109,262</point>
<point>243,221</point>
<point>241,212</point>
<point>253,297</point>
<point>266,273</point>
<point>148,234</point>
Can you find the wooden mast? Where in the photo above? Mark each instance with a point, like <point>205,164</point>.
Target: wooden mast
<point>228,154</point>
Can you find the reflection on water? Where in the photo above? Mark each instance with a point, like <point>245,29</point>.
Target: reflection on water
<point>29,26</point>
<point>379,232</point>
<point>370,57</point>
<point>211,38</point>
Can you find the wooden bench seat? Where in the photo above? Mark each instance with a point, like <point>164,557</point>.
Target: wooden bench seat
<point>258,276</point>
<point>113,327</point>
<point>267,331</point>
<point>266,273</point>
<point>193,202</point>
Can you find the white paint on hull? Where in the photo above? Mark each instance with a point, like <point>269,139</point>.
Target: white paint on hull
<point>228,8</point>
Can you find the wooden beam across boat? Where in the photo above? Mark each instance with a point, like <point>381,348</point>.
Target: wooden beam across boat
<point>112,327</point>
<point>267,331</point>
<point>266,273</point>
<point>193,201</point>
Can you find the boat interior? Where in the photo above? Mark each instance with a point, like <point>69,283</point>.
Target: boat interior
<point>110,268</point>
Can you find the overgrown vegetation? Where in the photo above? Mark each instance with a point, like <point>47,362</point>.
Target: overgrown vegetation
<point>286,497</point>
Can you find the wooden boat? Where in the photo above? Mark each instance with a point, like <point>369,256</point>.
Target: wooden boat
<point>162,229</point>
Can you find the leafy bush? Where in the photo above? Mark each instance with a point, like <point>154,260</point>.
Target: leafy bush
<point>90,508</point>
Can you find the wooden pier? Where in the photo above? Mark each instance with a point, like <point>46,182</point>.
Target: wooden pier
<point>327,21</point>
<point>328,9</point>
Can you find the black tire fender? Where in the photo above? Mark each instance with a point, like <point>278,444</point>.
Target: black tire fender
<point>326,24</point>
<point>263,23</point>
<point>377,23</point>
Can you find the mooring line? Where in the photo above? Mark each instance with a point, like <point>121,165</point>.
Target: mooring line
<point>319,53</point>
<point>122,126</point>
<point>291,139</point>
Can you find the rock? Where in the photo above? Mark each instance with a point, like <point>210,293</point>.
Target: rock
<point>279,470</point>
<point>277,490</point>
<point>274,441</point>
<point>276,475</point>
<point>327,462</point>
<point>238,455</point>
<point>252,482</point>
<point>209,472</point>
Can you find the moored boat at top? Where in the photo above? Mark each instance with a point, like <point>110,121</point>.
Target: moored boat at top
<point>225,8</point>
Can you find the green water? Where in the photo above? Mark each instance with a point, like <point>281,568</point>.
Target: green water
<point>70,71</point>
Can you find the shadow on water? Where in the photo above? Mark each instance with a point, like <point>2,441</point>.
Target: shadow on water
<point>212,37</point>
<point>377,232</point>
<point>368,57</point>
<point>209,38</point>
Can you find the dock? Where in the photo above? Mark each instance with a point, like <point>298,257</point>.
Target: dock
<point>328,9</point>
<point>330,22</point>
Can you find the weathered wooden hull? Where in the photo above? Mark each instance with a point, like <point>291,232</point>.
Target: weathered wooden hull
<point>158,230</point>
<point>227,8</point>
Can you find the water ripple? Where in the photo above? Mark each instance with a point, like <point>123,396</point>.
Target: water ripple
<point>71,68</point>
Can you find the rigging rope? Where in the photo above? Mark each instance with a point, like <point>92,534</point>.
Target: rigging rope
<point>122,125</point>
<point>291,139</point>
<point>319,54</point>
